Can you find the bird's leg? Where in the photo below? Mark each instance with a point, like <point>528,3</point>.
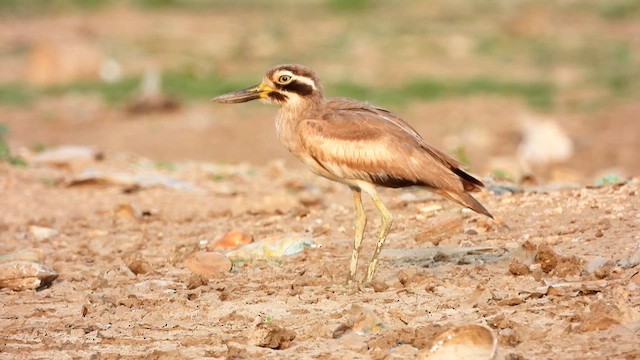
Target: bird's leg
<point>387,221</point>
<point>361,222</point>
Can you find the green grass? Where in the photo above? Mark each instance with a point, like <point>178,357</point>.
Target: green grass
<point>112,92</point>
<point>187,86</point>
<point>537,94</point>
<point>15,95</point>
<point>5,151</point>
<point>619,9</point>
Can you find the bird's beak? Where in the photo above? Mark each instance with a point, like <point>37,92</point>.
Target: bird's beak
<point>244,95</point>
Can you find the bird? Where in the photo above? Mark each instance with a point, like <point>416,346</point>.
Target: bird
<point>357,144</point>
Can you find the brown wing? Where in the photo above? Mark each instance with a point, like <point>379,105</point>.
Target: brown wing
<point>352,140</point>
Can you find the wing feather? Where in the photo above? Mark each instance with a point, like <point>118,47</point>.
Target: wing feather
<point>355,141</point>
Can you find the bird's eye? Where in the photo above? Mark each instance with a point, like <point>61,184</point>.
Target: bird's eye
<point>284,79</point>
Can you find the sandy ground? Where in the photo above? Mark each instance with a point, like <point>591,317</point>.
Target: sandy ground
<point>123,289</point>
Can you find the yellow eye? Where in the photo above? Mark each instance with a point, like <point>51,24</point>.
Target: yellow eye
<point>284,79</point>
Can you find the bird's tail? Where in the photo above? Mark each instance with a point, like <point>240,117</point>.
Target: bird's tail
<point>465,200</point>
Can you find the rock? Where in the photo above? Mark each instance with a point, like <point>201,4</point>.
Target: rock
<point>208,264</point>
<point>126,211</point>
<point>34,255</point>
<point>67,156</point>
<point>138,265</point>
<point>311,197</point>
<point>129,181</point>
<point>601,316</point>
<point>595,263</point>
<point>630,261</point>
<point>430,208</point>
<point>547,258</point>
<point>568,266</point>
<point>543,142</point>
<point>24,275</point>
<point>365,320</point>
<point>379,286</point>
<point>274,247</point>
<point>267,334</point>
<point>463,342</point>
<point>42,233</point>
<point>231,240</point>
<point>392,339</point>
<point>518,268</point>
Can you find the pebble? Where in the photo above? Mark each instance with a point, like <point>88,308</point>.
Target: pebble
<point>67,155</point>
<point>139,265</point>
<point>126,211</point>
<point>274,247</point>
<point>463,342</point>
<point>518,268</point>
<point>366,320</point>
<point>547,258</point>
<point>208,264</point>
<point>34,255</point>
<point>270,335</point>
<point>42,233</point>
<point>25,275</point>
<point>232,240</point>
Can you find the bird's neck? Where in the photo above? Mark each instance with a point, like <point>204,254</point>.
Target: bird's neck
<point>290,115</point>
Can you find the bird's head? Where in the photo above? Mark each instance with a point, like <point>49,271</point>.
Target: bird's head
<point>282,84</point>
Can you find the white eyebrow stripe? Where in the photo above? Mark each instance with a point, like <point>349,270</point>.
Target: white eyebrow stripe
<point>305,80</point>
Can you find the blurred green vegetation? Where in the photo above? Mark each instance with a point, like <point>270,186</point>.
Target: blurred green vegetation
<point>186,86</point>
<point>513,49</point>
<point>15,94</point>
<point>5,151</point>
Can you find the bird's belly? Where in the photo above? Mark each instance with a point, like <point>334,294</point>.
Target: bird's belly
<point>336,173</point>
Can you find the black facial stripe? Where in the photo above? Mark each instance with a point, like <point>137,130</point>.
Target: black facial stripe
<point>277,96</point>
<point>298,88</point>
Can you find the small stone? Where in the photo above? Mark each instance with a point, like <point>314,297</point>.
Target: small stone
<point>231,240</point>
<point>601,316</point>
<point>595,263</point>
<point>365,321</point>
<point>568,266</point>
<point>42,233</point>
<point>34,255</point>
<point>126,212</point>
<point>25,275</point>
<point>139,265</point>
<point>310,197</point>
<point>547,258</point>
<point>269,335</point>
<point>379,286</point>
<point>518,268</point>
<point>511,302</point>
<point>529,246</point>
<point>208,264</point>
<point>273,247</point>
<point>68,155</point>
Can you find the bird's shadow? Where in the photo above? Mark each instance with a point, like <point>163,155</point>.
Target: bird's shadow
<point>430,257</point>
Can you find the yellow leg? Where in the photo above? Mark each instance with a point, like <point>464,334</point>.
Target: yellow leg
<point>361,222</point>
<point>387,221</point>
